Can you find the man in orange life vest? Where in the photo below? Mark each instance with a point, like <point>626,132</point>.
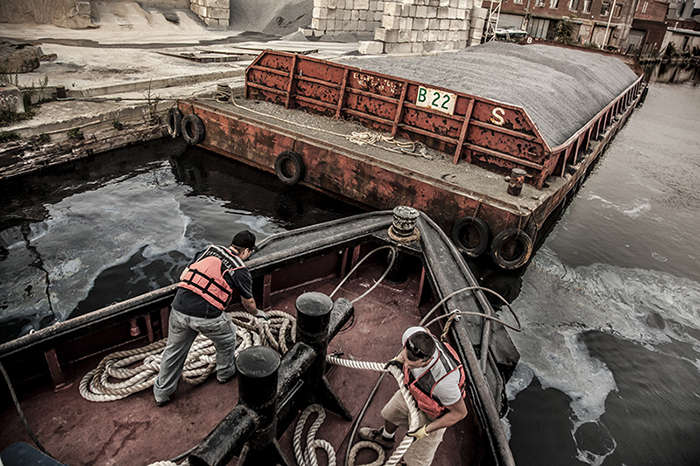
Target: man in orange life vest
<point>203,294</point>
<point>435,377</point>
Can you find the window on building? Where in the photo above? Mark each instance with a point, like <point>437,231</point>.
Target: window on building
<point>573,5</point>
<point>618,10</point>
<point>644,7</point>
<point>586,6</point>
<point>605,8</point>
<point>539,2</point>
<point>518,2</point>
<point>553,3</point>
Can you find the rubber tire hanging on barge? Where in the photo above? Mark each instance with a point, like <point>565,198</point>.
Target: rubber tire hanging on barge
<point>298,168</point>
<point>174,122</point>
<point>523,248</point>
<point>461,236</point>
<point>192,129</point>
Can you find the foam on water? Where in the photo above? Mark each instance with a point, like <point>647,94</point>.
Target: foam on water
<point>148,213</point>
<point>557,304</point>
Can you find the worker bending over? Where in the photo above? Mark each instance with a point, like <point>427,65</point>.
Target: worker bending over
<point>435,377</point>
<point>203,294</point>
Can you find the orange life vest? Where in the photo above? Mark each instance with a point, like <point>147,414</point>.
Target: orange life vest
<point>422,388</point>
<point>205,276</point>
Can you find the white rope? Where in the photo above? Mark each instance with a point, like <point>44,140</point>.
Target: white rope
<point>370,138</point>
<point>124,373</point>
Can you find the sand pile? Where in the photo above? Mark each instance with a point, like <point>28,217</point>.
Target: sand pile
<point>279,17</point>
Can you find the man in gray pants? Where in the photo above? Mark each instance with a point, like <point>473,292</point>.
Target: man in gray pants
<point>203,294</point>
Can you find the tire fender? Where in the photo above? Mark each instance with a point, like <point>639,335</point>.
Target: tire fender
<point>524,248</point>
<point>192,129</point>
<point>471,228</point>
<point>297,163</point>
<point>174,122</point>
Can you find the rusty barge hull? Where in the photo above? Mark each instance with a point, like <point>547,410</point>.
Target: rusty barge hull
<point>467,181</point>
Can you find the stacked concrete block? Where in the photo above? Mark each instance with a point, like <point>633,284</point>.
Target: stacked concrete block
<point>331,17</point>
<point>477,25</point>
<point>214,13</point>
<point>418,26</point>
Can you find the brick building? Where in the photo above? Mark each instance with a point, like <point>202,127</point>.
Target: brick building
<point>648,26</point>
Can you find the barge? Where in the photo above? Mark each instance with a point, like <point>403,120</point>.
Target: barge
<point>290,270</point>
<point>363,130</point>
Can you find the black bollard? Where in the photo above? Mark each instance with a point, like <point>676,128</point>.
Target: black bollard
<point>313,323</point>
<point>226,439</point>
<point>516,180</point>
<point>258,368</point>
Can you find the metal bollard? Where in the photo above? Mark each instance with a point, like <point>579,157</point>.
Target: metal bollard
<point>515,183</point>
<point>313,324</point>
<point>258,368</point>
<point>404,223</point>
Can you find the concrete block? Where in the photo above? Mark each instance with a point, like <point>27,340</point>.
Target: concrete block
<point>378,17</point>
<point>405,23</point>
<point>340,4</point>
<point>432,36</point>
<point>444,2</point>
<point>332,4</point>
<point>83,8</point>
<point>422,11</point>
<point>417,47</point>
<point>371,47</point>
<point>349,4</point>
<point>373,5</point>
<point>386,35</point>
<point>364,15</point>
<point>392,8</point>
<point>432,12</point>
<point>420,24</point>
<point>11,99</point>
<point>354,15</point>
<point>346,15</point>
<point>442,35</point>
<point>390,22</point>
<point>361,4</point>
<point>406,47</point>
<point>433,23</point>
<point>452,13</point>
<point>218,13</point>
<point>224,22</point>
<point>444,24</point>
<point>479,13</point>
<point>443,12</point>
<point>405,36</point>
<point>454,3</point>
<point>218,3</point>
<point>316,24</point>
<point>463,4</point>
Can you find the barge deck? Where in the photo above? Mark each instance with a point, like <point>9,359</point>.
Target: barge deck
<point>464,186</point>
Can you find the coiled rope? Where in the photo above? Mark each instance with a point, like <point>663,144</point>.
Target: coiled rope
<point>124,373</point>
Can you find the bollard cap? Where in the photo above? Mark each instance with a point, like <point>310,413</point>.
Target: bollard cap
<point>258,362</point>
<point>518,172</point>
<point>314,304</point>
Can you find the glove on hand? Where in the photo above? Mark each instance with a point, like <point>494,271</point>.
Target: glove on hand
<point>418,433</point>
<point>394,362</point>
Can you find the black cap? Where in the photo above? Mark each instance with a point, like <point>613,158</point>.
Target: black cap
<point>244,239</point>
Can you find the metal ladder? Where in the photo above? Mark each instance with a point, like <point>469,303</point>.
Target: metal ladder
<point>492,20</point>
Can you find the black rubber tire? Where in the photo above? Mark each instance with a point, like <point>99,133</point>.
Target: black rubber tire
<point>174,122</point>
<point>192,129</point>
<point>293,159</point>
<point>523,249</point>
<point>471,236</point>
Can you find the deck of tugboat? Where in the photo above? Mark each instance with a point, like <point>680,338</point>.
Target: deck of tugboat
<point>134,431</point>
<point>463,179</point>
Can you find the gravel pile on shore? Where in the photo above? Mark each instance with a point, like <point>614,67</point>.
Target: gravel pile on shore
<point>561,89</point>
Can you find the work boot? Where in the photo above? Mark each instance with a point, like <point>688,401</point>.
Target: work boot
<point>161,403</point>
<point>375,435</point>
<point>227,379</point>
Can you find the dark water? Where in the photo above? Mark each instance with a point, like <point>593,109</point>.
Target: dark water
<point>126,223</point>
<point>610,370</point>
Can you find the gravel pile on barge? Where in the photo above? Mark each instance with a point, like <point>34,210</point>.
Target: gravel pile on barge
<point>561,89</point>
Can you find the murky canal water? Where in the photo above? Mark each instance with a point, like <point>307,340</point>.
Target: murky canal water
<point>610,364</point>
<point>127,223</point>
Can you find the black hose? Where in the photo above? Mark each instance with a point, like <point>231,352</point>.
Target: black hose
<point>359,417</point>
<point>20,412</point>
